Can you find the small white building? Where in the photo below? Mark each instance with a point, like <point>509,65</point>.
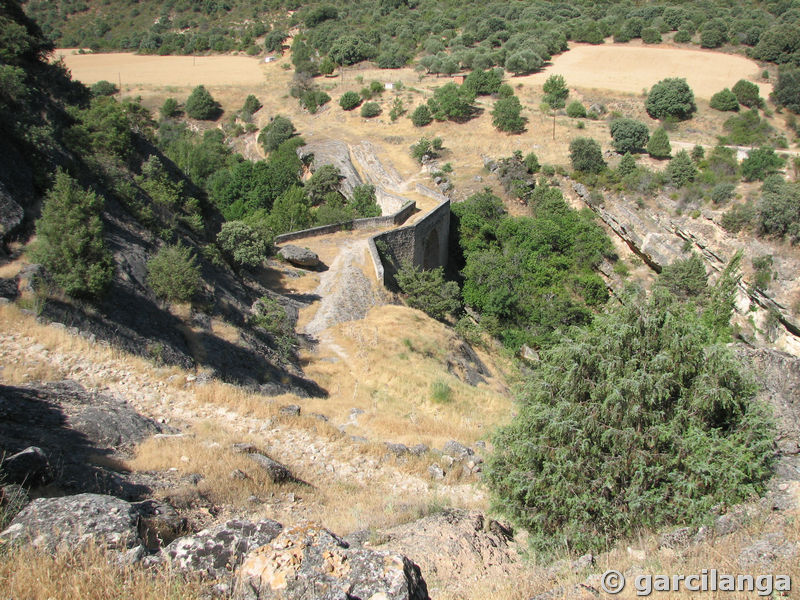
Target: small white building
<point>388,86</point>
<point>269,59</point>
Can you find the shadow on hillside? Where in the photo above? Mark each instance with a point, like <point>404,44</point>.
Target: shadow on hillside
<point>35,416</point>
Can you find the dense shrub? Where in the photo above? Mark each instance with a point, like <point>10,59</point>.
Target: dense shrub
<point>452,102</point>
<point>201,105</point>
<point>779,208</point>
<point>555,91</point>
<point>760,163</point>
<point>746,93</point>
<point>747,128</point>
<point>278,131</point>
<point>370,110</point>
<point>250,107</point>
<point>681,169</point>
<point>425,147</point>
<point>683,36</point>
<point>671,97</point>
<point>659,146</point>
<point>641,420</point>
<point>70,239</point>
<point>484,83</point>
<point>170,108</point>
<point>325,180</point>
<point>787,89</point>
<point>724,100</point>
<point>245,245</point>
<point>173,274</point>
<point>722,192</point>
<point>629,135</point>
<point>576,110</point>
<point>506,115</point>
<point>738,217</point>
<point>104,88</point>
<point>350,100</point>
<point>421,116</point>
<point>627,165</point>
<point>651,35</point>
<point>586,155</point>
<point>428,291</point>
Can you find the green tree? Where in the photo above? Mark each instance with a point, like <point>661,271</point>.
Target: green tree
<point>576,110</point>
<point>659,146</point>
<point>104,88</point>
<point>364,202</point>
<point>627,165</point>
<point>425,147</point>
<point>724,100</point>
<point>452,102</point>
<point>670,98</point>
<point>778,210</point>
<point>746,93</point>
<point>251,106</point>
<point>278,131</point>
<point>681,169</point>
<point>629,135</point>
<point>428,291</point>
<point>787,89</point>
<point>370,110</point>
<point>173,273</point>
<point>170,108</point>
<point>326,179</point>
<point>483,83</point>
<point>506,115</point>
<point>201,105</point>
<point>70,241</point>
<point>642,420</point>
<point>243,243</point>
<point>290,212</point>
<point>555,91</point>
<point>586,155</point>
<point>350,100</point>
<point>760,163</point>
<point>651,35</point>
<point>421,116</point>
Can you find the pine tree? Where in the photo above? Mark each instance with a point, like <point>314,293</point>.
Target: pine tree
<point>658,146</point>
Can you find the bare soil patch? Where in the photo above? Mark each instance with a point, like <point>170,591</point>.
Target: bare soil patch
<point>132,68</point>
<point>629,68</point>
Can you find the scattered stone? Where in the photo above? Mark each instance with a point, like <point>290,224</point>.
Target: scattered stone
<point>8,288</point>
<point>159,524</point>
<point>72,521</point>
<point>300,257</point>
<point>244,448</point>
<point>583,563</point>
<point>215,552</point>
<point>292,410</point>
<point>418,449</point>
<point>320,417</point>
<point>678,538</point>
<point>436,472</point>
<point>238,474</point>
<point>529,353</point>
<point>30,277</point>
<point>277,472</point>
<point>309,557</point>
<point>397,449</point>
<point>29,467</point>
<point>767,550</point>
<point>457,450</point>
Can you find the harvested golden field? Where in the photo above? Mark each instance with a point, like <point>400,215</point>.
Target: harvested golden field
<point>132,68</point>
<point>629,68</point>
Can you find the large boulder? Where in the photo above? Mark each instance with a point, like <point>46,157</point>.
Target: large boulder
<point>300,257</point>
<point>215,552</point>
<point>277,472</point>
<point>310,558</point>
<point>73,521</point>
<point>28,467</point>
<point>9,288</point>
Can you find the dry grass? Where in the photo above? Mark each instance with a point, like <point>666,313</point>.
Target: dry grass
<point>384,365</point>
<point>92,574</point>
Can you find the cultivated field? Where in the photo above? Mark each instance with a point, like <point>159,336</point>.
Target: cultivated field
<point>133,69</point>
<point>629,68</point>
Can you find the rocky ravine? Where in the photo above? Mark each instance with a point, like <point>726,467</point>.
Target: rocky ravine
<point>659,238</point>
